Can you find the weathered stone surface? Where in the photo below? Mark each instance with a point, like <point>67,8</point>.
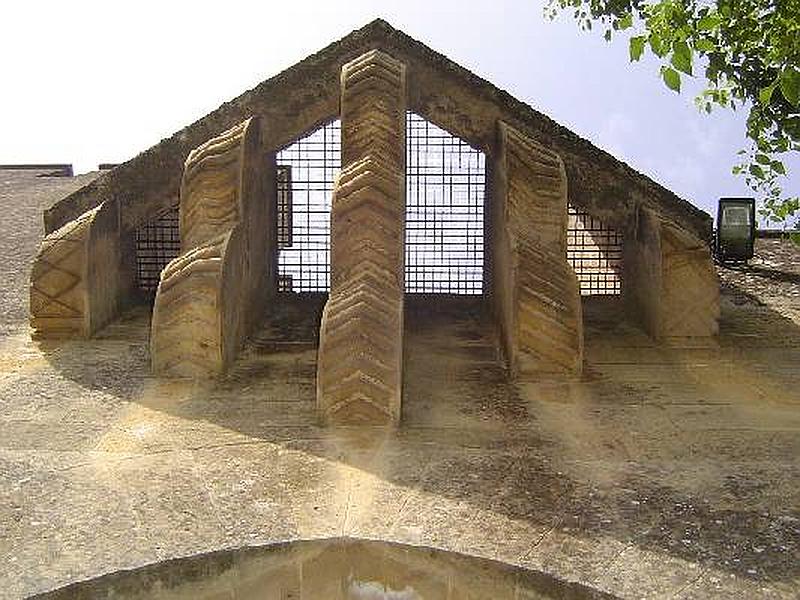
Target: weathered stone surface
<point>686,458</point>
<point>536,293</point>
<point>77,280</point>
<point>359,373</point>
<point>214,292</point>
<point>669,282</point>
<point>690,302</point>
<point>330,569</point>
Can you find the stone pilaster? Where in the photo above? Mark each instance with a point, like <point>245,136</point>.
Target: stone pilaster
<point>210,297</point>
<point>669,282</point>
<point>536,294</point>
<point>78,282</point>
<point>359,372</point>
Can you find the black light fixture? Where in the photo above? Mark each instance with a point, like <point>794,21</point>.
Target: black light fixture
<point>736,229</point>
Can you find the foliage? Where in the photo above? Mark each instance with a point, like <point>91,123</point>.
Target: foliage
<point>749,54</point>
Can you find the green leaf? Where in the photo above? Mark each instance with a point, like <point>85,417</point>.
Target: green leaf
<point>626,21</point>
<point>792,127</point>
<point>790,85</point>
<point>762,159</point>
<point>757,171</point>
<point>657,46</point>
<point>636,47</point>
<point>778,167</point>
<point>765,95</point>
<point>672,78</point>
<point>704,45</point>
<point>682,57</point>
<point>708,22</point>
<point>607,35</point>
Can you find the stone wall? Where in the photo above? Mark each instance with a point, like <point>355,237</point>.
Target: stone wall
<point>81,276</point>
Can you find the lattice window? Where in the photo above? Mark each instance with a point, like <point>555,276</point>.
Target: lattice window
<point>157,243</point>
<point>444,214</point>
<point>313,162</point>
<point>445,186</point>
<point>595,252</point>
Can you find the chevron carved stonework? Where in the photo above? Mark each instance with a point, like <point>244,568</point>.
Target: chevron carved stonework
<point>539,304</point>
<point>671,283</point>
<point>75,281</point>
<point>690,305</point>
<point>359,370</point>
<point>211,295</point>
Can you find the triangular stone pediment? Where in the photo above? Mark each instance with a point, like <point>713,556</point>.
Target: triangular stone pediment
<point>306,95</point>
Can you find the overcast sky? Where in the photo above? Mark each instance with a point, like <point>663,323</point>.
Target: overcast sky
<point>88,82</point>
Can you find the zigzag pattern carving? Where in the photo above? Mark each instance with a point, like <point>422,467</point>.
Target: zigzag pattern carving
<point>359,372</point>
<point>690,295</point>
<point>547,306</point>
<point>371,108</point>
<point>206,297</point>
<point>187,301</point>
<point>536,192</point>
<point>549,315</point>
<point>58,294</point>
<point>210,188</point>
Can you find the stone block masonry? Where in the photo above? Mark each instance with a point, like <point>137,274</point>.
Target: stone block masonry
<point>210,297</point>
<point>537,296</point>
<point>77,284</point>
<point>359,372</point>
<point>669,282</point>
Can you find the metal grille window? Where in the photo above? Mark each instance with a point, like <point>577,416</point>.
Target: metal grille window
<point>445,185</point>
<point>595,252</point>
<point>157,243</point>
<point>313,163</point>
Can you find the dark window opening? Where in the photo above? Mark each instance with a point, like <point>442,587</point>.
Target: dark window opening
<point>284,190</point>
<point>157,243</point>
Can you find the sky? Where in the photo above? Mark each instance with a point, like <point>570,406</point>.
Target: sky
<point>87,82</point>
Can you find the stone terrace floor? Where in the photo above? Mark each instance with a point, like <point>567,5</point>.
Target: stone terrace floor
<point>662,472</point>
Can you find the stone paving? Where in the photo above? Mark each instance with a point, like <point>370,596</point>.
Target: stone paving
<point>662,472</point>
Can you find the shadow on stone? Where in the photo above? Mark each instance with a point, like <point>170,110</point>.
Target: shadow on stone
<point>472,437</point>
